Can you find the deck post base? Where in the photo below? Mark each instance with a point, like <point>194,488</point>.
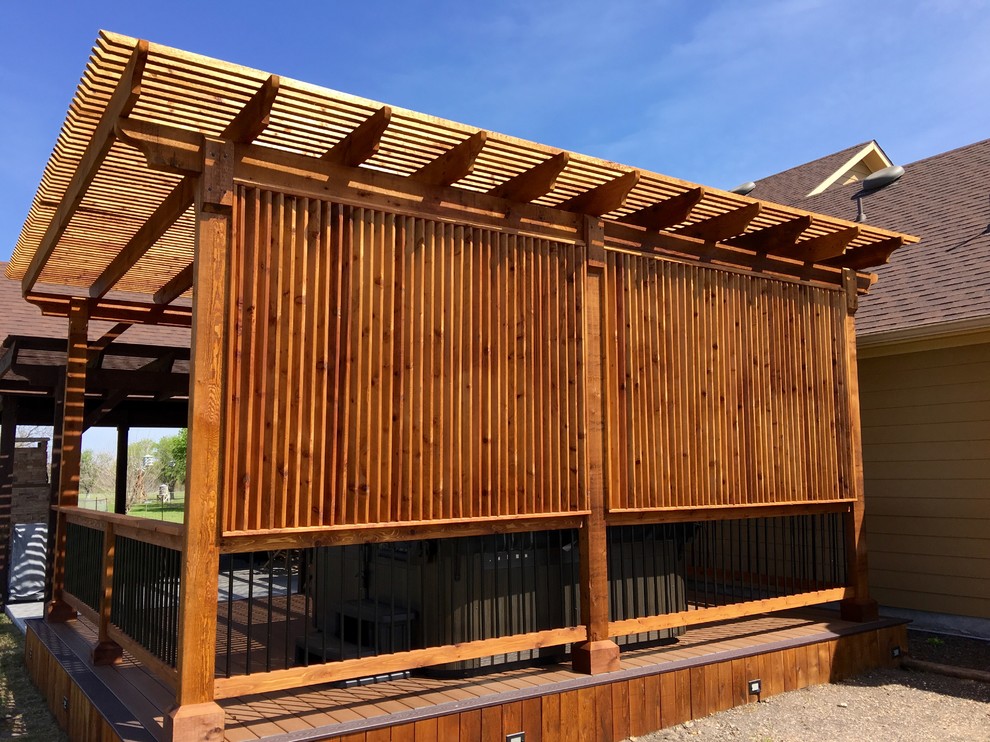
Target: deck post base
<point>852,609</point>
<point>593,658</point>
<point>195,722</point>
<point>58,611</point>
<point>107,653</point>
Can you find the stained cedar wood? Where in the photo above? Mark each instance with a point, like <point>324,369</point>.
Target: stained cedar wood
<point>73,406</point>
<point>695,431</point>
<point>197,617</point>
<point>420,380</point>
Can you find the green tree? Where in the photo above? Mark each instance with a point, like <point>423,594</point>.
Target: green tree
<point>171,455</point>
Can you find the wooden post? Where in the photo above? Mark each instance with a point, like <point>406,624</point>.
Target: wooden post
<point>599,653</point>
<point>120,478</point>
<point>860,607</point>
<point>8,436</point>
<point>73,414</point>
<point>196,716</point>
<point>106,651</point>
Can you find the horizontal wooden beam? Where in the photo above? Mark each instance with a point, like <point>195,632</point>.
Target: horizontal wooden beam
<point>167,149</point>
<point>361,143</point>
<point>667,213</point>
<point>292,172</point>
<point>104,310</point>
<point>603,198</point>
<point>254,117</point>
<point>723,226</point>
<point>826,246</point>
<point>730,512</point>
<point>179,284</point>
<point>454,164</point>
<point>725,612</point>
<point>147,530</point>
<point>531,184</point>
<point>237,542</point>
<point>121,102</point>
<point>386,663</point>
<point>868,256</point>
<point>777,238</point>
<point>167,214</point>
<point>724,256</point>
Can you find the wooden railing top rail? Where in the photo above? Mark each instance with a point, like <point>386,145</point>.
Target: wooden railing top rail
<point>159,532</point>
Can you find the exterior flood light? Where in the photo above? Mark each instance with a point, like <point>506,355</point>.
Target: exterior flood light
<point>754,687</point>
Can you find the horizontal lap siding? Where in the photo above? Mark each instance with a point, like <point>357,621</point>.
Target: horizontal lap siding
<point>926,456</point>
<point>729,388</point>
<point>389,369</point>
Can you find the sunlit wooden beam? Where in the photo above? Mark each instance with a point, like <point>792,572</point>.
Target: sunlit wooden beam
<point>777,238</point>
<point>121,103</point>
<point>827,246</point>
<point>254,117</point>
<point>179,284</point>
<point>667,213</point>
<point>167,214</point>
<point>531,184</point>
<point>362,143</point>
<point>167,149</point>
<point>868,256</point>
<point>454,164</point>
<point>604,198</point>
<point>722,227</point>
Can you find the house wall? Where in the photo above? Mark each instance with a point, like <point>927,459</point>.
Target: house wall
<point>926,454</point>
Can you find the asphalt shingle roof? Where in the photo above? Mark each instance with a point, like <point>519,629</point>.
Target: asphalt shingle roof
<point>791,186</point>
<point>945,200</point>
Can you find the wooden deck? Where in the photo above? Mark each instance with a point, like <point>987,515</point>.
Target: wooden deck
<point>706,670</point>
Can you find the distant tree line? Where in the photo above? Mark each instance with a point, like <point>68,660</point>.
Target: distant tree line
<point>149,465</point>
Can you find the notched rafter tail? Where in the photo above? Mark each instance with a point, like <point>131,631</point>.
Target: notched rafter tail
<point>778,238</point>
<point>531,184</point>
<point>454,164</point>
<point>831,245</point>
<point>868,256</point>
<point>362,142</point>
<point>723,226</point>
<point>255,116</point>
<point>121,103</point>
<point>603,198</point>
<point>673,210</point>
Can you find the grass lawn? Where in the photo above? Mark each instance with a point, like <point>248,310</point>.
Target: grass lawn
<point>23,712</point>
<point>170,511</point>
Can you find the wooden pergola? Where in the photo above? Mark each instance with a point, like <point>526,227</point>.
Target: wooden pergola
<point>406,328</point>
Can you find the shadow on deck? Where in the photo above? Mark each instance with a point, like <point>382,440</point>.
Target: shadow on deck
<point>706,670</point>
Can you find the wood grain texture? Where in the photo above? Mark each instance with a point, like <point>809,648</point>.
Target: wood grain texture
<point>729,390</point>
<point>390,370</point>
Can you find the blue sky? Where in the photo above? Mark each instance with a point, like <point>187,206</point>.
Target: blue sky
<point>713,92</point>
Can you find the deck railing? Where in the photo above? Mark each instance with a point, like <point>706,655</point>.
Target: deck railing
<point>122,573</point>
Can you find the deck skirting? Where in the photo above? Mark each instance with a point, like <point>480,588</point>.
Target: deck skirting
<point>707,671</point>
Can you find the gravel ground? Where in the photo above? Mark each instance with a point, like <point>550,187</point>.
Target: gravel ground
<point>888,705</point>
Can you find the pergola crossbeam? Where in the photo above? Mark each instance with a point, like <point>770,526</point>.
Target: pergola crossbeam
<point>253,118</point>
<point>361,144</point>
<point>454,164</point>
<point>531,184</point>
<point>98,349</point>
<point>723,226</point>
<point>167,214</point>
<point>832,245</point>
<point>121,103</point>
<point>179,284</point>
<point>604,198</point>
<point>779,238</point>
<point>868,256</point>
<point>667,213</point>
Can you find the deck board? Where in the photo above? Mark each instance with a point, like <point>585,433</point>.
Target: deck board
<point>754,644</point>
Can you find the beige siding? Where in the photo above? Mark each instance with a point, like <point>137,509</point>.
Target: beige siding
<point>926,451</point>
